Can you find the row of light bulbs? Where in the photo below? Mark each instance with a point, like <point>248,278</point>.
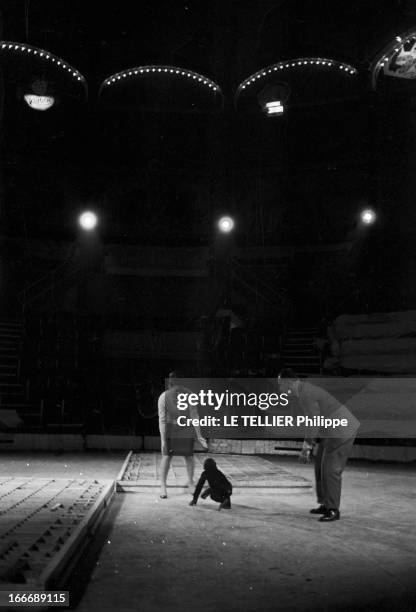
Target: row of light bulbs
<point>88,220</point>
<point>131,72</point>
<point>11,46</point>
<point>166,69</point>
<point>400,42</point>
<point>308,61</point>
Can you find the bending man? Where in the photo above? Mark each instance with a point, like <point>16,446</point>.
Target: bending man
<point>330,453</point>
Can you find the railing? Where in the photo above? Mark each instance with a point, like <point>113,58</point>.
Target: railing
<point>47,283</point>
<point>257,285</point>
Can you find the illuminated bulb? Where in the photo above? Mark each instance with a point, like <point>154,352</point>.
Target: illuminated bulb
<point>274,108</point>
<point>368,216</point>
<point>226,224</point>
<point>40,103</point>
<point>88,220</point>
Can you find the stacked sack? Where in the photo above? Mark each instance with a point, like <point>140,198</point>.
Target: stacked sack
<point>379,342</point>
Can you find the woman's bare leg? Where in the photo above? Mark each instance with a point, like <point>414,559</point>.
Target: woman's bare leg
<point>164,470</point>
<point>190,466</point>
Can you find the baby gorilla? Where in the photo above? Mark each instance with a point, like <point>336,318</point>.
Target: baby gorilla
<point>220,488</point>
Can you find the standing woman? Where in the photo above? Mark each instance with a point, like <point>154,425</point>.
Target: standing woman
<point>171,442</point>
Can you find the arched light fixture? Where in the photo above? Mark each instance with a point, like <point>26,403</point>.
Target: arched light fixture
<point>44,58</point>
<point>396,59</point>
<point>296,64</point>
<point>161,88</point>
<point>140,71</point>
<point>306,81</point>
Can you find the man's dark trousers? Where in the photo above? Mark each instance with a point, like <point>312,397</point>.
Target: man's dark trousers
<point>330,461</point>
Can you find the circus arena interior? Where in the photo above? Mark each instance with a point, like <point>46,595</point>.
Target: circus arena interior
<point>211,194</point>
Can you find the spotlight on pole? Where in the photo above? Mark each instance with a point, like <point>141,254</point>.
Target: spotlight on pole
<point>40,103</point>
<point>39,97</point>
<point>273,99</point>
<point>274,108</point>
<point>88,220</point>
<point>368,216</point>
<point>226,225</point>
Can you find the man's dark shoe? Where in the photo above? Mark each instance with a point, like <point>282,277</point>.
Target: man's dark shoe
<point>319,510</point>
<point>205,493</point>
<point>330,515</point>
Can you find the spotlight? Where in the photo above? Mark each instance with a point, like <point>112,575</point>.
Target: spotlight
<point>88,220</point>
<point>368,216</point>
<point>226,224</point>
<point>40,103</point>
<point>273,99</point>
<point>274,108</point>
<point>39,98</point>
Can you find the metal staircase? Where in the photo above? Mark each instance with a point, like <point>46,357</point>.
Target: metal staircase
<point>50,284</point>
<point>270,288</point>
<point>299,351</point>
<point>10,336</point>
<point>13,394</point>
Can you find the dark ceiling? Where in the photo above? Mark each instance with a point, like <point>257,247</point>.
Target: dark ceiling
<point>160,177</point>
